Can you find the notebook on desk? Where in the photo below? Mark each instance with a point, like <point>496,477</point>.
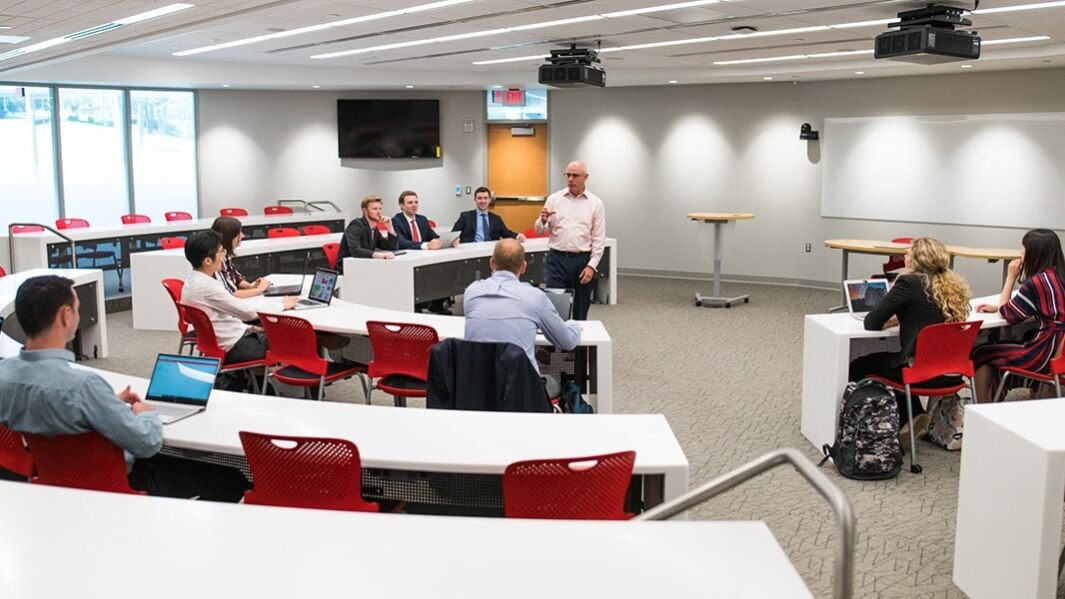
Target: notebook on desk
<point>321,293</point>
<point>864,294</point>
<point>280,290</point>
<point>181,385</point>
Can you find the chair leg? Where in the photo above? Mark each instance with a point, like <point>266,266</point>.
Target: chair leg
<point>915,468</point>
<point>400,401</point>
<point>367,386</point>
<point>972,390</point>
<point>254,381</point>
<point>321,388</point>
<point>1000,390</point>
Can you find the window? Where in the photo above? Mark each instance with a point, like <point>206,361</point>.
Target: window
<point>163,143</point>
<point>93,145</point>
<point>27,165</point>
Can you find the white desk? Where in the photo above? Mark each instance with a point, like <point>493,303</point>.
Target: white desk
<point>67,543</point>
<point>828,344</point>
<point>93,322</point>
<point>1010,500</point>
<point>395,283</point>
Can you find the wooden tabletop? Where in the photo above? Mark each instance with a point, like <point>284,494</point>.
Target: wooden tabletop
<point>716,217</point>
<point>986,253</point>
<point>871,246</point>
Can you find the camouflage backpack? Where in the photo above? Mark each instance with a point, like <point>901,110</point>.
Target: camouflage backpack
<point>867,436</point>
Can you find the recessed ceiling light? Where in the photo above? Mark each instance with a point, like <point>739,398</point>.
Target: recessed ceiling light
<point>316,87</point>
<point>5,27</point>
<point>966,66</point>
<point>767,78</point>
<point>409,86</point>
<point>673,81</point>
<point>859,72</point>
<point>497,87</point>
<point>225,85</point>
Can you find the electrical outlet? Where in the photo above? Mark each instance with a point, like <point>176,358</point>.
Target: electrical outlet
<point>809,248</point>
<point>469,190</point>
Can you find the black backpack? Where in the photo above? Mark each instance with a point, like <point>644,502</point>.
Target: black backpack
<point>867,436</point>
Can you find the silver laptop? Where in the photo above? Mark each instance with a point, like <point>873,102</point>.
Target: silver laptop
<point>321,293</point>
<point>864,294</point>
<point>296,289</point>
<point>181,385</point>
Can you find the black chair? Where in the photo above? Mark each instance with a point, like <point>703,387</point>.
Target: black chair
<point>495,377</point>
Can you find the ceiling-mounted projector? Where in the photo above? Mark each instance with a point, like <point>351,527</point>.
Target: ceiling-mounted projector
<point>927,36</point>
<point>572,67</point>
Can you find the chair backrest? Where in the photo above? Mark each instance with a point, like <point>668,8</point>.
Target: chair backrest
<point>13,453</point>
<point>473,375</point>
<point>894,262</point>
<point>291,340</point>
<point>331,250</point>
<point>172,243</point>
<point>942,349</point>
<point>531,233</point>
<point>233,212</point>
<point>206,340</point>
<point>174,287</point>
<point>133,219</point>
<point>178,215</point>
<point>432,223</point>
<point>400,348</point>
<point>71,223</point>
<point>16,229</point>
<point>316,230</point>
<point>308,472</point>
<point>276,210</point>
<point>276,232</point>
<point>586,488</point>
<point>3,273</point>
<point>82,461</point>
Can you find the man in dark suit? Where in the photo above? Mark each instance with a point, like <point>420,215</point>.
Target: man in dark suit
<point>363,239</point>
<point>420,236</point>
<point>480,224</point>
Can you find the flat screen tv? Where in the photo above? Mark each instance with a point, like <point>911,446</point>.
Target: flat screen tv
<point>388,128</point>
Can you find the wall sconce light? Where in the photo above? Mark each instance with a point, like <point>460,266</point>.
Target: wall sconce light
<point>807,133</point>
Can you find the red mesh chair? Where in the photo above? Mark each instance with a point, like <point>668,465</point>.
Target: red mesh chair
<point>1054,377</point>
<point>207,343</point>
<point>71,223</point>
<point>82,461</point>
<point>175,216</point>
<point>13,454</point>
<point>400,365</point>
<point>135,219</point>
<point>174,287</point>
<point>942,350</point>
<point>234,212</point>
<point>588,488</point>
<point>331,250</point>
<point>277,210</point>
<point>308,472</point>
<point>531,233</point>
<point>432,223</point>
<point>316,230</point>
<point>282,232</point>
<point>294,360</point>
<point>896,262</point>
<point>16,229</point>
<point>3,273</point>
<point>172,243</point>
<point>91,249</point>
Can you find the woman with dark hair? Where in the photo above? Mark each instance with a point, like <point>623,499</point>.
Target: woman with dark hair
<point>230,230</point>
<point>1041,268</point>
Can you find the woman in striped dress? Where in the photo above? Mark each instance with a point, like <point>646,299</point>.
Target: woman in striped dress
<point>1042,297</point>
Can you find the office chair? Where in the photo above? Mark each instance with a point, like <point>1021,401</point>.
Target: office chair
<point>207,344</point>
<point>277,232</point>
<point>135,219</point>
<point>400,365</point>
<point>332,251</point>
<point>292,357</point>
<point>234,212</point>
<point>82,461</point>
<point>894,262</point>
<point>177,216</point>
<point>172,243</point>
<point>174,287</point>
<point>585,488</point>
<point>1054,377</point>
<point>316,230</point>
<point>531,233</point>
<point>13,453</point>
<point>277,210</point>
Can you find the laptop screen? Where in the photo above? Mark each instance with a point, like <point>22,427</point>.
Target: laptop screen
<point>864,295</point>
<point>322,287</point>
<point>183,379</point>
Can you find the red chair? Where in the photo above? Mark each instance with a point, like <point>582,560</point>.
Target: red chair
<point>207,343</point>
<point>400,365</point>
<point>282,232</point>
<point>91,249</point>
<point>307,472</point>
<point>135,219</point>
<point>316,230</point>
<point>293,356</point>
<point>277,210</point>
<point>896,262</point>
<point>16,229</point>
<point>588,488</point>
<point>432,223</point>
<point>1054,377</point>
<point>3,273</point>
<point>942,350</point>
<point>175,216</point>
<point>71,223</point>
<point>331,250</point>
<point>83,461</point>
<point>172,243</point>
<point>234,212</point>
<point>531,233</point>
<point>13,453</point>
<point>174,288</point>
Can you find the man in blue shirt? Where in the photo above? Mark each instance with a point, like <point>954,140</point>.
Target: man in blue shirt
<point>480,224</point>
<point>41,393</point>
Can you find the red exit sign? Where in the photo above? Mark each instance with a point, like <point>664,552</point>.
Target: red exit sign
<point>508,97</point>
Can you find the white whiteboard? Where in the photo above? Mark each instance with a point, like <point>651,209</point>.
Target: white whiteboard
<point>1004,170</point>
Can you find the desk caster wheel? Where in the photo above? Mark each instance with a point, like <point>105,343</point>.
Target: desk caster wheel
<point>698,304</point>
<point>728,305</point>
<point>916,468</point>
<point>746,300</point>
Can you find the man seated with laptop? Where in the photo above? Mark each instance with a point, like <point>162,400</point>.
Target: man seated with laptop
<point>42,392</point>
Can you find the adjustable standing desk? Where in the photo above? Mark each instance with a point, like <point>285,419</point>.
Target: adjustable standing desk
<point>718,219</point>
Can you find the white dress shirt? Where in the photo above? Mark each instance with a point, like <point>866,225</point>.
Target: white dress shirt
<point>226,311</point>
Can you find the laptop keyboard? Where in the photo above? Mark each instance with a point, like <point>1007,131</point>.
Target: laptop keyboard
<point>170,411</point>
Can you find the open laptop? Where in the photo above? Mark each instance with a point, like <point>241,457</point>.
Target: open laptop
<point>279,290</point>
<point>181,385</point>
<point>321,293</point>
<point>864,294</point>
<point>562,299</point>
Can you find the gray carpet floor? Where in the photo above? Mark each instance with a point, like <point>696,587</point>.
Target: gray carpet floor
<point>729,382</point>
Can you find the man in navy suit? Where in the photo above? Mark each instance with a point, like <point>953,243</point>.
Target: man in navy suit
<point>480,224</point>
<point>420,236</point>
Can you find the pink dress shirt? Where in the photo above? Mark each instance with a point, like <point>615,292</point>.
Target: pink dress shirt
<point>578,225</point>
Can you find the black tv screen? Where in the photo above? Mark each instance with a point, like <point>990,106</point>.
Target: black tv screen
<point>388,128</point>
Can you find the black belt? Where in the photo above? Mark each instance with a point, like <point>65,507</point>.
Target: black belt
<point>572,253</point>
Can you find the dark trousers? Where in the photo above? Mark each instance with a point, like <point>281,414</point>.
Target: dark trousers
<point>881,365</point>
<point>563,270</point>
<point>169,476</point>
<point>252,346</point>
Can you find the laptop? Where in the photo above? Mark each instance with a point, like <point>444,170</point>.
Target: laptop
<point>864,294</point>
<point>279,290</point>
<point>562,299</point>
<point>181,385</point>
<point>321,293</point>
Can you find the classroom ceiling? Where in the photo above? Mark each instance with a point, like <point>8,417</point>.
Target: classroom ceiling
<point>383,44</point>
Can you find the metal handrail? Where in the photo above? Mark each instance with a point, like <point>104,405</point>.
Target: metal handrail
<point>300,203</point>
<point>11,242</point>
<point>316,206</point>
<point>843,579</point>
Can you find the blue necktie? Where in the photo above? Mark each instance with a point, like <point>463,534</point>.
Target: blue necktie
<point>482,230</point>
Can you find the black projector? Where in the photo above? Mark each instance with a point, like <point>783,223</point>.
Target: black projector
<point>572,75</point>
<point>927,44</point>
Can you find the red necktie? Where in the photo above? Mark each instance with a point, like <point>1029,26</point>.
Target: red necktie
<point>415,235</point>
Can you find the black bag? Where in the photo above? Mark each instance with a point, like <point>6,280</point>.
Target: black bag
<point>867,436</point>
<point>572,402</point>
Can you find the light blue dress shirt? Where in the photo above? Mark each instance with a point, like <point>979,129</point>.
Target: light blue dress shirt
<point>503,309</point>
<point>40,392</point>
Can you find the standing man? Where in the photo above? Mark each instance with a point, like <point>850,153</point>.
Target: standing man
<point>412,228</point>
<point>480,224</point>
<point>363,238</point>
<point>577,222</point>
